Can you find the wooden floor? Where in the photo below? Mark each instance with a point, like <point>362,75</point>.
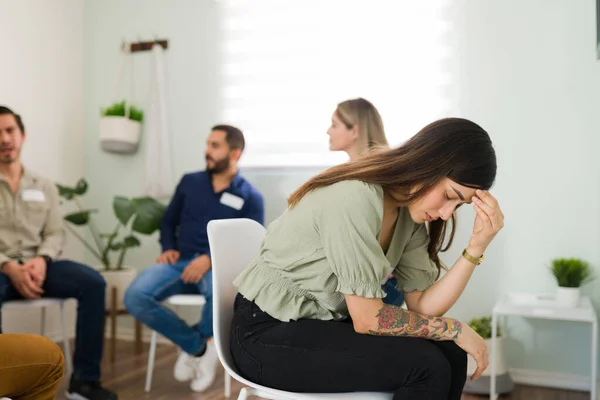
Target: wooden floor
<point>127,376</point>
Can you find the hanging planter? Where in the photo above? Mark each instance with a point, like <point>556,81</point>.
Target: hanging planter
<point>121,123</point>
<point>120,128</point>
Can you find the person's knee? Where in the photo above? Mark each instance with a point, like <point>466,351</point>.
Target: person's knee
<point>91,281</point>
<point>44,350</point>
<point>54,352</point>
<point>438,369</point>
<point>136,299</point>
<point>456,356</point>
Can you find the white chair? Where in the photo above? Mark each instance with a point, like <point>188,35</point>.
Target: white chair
<point>42,304</point>
<point>195,300</point>
<point>233,245</point>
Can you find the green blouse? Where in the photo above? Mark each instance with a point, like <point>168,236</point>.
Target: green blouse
<point>328,246</point>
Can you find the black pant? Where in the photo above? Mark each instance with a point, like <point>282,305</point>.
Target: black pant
<point>70,280</point>
<point>326,356</point>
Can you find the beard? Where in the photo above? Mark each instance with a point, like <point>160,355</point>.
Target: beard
<point>9,158</point>
<point>218,165</point>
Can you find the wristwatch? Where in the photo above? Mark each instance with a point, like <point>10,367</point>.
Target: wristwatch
<point>47,259</point>
<point>472,259</point>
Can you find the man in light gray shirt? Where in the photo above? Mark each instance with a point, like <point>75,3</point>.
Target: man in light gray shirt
<point>31,239</point>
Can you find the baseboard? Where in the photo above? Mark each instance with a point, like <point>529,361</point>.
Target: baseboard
<point>550,379</point>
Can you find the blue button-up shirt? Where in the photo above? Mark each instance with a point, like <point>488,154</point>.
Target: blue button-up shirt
<point>195,203</point>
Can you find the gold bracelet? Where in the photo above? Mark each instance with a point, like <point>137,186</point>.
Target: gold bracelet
<point>472,259</point>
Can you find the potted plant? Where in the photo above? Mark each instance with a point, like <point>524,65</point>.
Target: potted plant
<point>136,215</point>
<point>570,274</point>
<point>504,383</point>
<point>120,127</point>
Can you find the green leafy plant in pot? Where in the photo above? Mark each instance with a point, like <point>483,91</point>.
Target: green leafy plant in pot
<point>504,383</point>
<point>483,327</point>
<point>140,215</point>
<point>570,274</point>
<point>120,127</point>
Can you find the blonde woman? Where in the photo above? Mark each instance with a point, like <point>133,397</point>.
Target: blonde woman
<point>356,127</point>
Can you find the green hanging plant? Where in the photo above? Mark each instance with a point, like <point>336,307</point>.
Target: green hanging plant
<point>118,110</point>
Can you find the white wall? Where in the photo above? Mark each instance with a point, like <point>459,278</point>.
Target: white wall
<point>190,26</point>
<point>529,74</point>
<point>525,71</point>
<point>41,79</point>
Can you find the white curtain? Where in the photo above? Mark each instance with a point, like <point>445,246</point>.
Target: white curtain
<point>159,179</point>
<point>286,64</point>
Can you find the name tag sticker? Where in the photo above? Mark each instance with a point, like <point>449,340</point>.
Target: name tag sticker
<point>232,201</point>
<point>33,195</point>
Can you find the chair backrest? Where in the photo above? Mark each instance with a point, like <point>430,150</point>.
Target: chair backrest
<point>233,244</point>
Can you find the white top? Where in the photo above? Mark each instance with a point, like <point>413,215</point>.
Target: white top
<point>544,306</point>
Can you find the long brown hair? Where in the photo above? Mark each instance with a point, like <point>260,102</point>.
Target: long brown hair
<point>454,148</point>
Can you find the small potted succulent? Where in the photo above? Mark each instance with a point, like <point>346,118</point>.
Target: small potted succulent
<point>570,274</point>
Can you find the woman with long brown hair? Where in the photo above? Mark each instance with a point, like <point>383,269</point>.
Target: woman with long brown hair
<point>309,315</point>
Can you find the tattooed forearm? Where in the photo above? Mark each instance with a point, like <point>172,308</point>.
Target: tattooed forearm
<point>396,321</point>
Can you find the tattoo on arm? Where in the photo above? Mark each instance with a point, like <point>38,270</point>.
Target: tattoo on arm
<point>396,321</point>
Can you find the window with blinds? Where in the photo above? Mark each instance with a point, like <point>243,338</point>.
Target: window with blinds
<point>287,63</point>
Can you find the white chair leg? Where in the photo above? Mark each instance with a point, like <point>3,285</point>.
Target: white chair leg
<point>227,385</point>
<point>66,345</point>
<point>43,322</point>
<point>151,361</point>
<point>243,394</point>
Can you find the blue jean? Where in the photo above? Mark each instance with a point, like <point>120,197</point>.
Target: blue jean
<point>70,280</point>
<point>394,296</point>
<point>143,300</point>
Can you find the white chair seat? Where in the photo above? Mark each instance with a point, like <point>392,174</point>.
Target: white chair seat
<point>186,300</point>
<point>246,236</point>
<point>37,303</point>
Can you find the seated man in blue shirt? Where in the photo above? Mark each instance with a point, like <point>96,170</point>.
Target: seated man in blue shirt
<point>184,267</point>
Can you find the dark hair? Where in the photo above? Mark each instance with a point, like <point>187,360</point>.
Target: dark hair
<point>233,136</point>
<point>7,111</point>
<point>452,148</point>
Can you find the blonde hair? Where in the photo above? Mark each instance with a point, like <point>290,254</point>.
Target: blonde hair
<point>363,114</point>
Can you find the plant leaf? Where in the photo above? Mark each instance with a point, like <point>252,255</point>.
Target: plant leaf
<point>131,241</point>
<point>81,187</point>
<point>571,272</point>
<point>70,192</point>
<point>148,215</point>
<point>79,217</point>
<point>66,192</point>
<point>123,208</point>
